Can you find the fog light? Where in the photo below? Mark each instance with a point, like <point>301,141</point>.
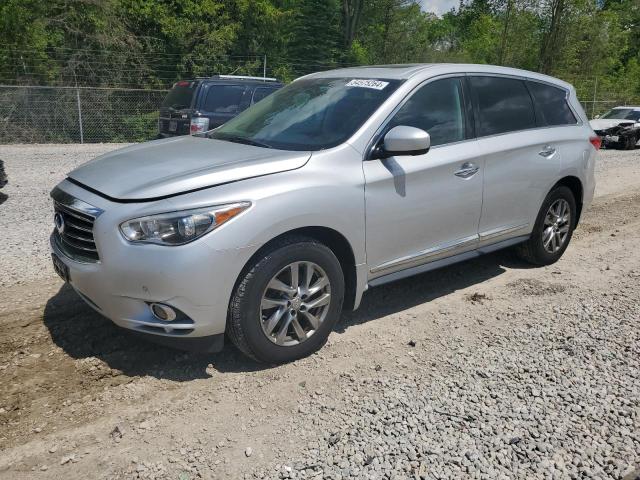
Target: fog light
<point>163,312</point>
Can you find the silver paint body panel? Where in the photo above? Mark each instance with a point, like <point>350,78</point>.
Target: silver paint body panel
<point>401,216</point>
<point>180,164</point>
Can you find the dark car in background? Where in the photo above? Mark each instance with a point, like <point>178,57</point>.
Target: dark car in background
<point>195,106</point>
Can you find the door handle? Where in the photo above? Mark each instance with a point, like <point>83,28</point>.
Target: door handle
<point>467,169</point>
<point>548,151</point>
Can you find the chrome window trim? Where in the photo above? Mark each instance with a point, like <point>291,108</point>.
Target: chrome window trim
<point>376,136</point>
<point>526,79</point>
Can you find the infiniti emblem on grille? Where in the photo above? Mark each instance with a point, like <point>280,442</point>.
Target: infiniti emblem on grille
<point>59,222</point>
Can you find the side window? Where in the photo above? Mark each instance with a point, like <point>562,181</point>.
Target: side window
<point>223,98</point>
<point>503,104</point>
<point>437,109</point>
<point>260,93</point>
<point>552,104</point>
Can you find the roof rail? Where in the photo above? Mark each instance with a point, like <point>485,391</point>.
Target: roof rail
<point>244,77</point>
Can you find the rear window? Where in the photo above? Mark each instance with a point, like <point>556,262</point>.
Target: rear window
<point>223,98</point>
<point>504,105</point>
<point>262,92</point>
<point>552,104</point>
<point>180,95</point>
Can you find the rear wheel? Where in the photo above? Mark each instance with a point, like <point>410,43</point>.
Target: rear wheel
<point>285,305</point>
<point>553,228</point>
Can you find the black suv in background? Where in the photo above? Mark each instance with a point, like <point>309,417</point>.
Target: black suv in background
<point>194,106</point>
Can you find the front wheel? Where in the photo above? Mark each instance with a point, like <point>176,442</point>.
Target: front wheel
<point>553,229</point>
<point>630,142</point>
<point>287,302</point>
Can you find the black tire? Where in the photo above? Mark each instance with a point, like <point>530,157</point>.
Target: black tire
<point>533,250</point>
<point>630,142</point>
<point>244,319</point>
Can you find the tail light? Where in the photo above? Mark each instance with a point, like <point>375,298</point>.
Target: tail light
<point>596,141</point>
<point>199,125</point>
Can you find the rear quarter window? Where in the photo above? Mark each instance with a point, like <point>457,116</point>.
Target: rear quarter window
<point>552,106</point>
<point>503,105</point>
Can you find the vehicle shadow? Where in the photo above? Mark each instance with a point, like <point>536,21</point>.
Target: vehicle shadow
<point>395,297</point>
<point>82,333</point>
<point>3,197</point>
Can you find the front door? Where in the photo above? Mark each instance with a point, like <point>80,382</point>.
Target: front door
<point>425,207</point>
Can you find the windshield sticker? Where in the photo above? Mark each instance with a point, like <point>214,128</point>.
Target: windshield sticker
<point>375,84</point>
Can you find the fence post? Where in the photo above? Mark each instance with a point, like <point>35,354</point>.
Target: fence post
<point>264,67</point>
<point>595,92</point>
<point>79,115</point>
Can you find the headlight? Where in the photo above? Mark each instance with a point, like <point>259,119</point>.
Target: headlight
<point>178,228</point>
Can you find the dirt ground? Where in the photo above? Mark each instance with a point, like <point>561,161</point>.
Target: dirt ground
<point>80,398</point>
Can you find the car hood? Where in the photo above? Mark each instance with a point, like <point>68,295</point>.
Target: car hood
<point>172,166</point>
<point>604,123</point>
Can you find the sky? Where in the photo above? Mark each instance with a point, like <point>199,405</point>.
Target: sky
<point>438,6</point>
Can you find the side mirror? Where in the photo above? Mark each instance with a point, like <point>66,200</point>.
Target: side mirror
<point>403,140</point>
<point>596,117</point>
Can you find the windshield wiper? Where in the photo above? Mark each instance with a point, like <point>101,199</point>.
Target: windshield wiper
<point>239,139</point>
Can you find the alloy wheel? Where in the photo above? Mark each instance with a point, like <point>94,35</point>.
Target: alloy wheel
<point>295,303</point>
<point>557,223</point>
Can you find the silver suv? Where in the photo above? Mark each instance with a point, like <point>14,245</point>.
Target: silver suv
<point>268,226</point>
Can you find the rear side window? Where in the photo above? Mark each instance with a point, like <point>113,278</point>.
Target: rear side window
<point>260,93</point>
<point>435,108</point>
<point>503,104</point>
<point>552,105</point>
<point>223,98</point>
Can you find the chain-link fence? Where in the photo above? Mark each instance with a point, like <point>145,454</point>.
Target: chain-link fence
<point>600,95</point>
<point>77,115</point>
<point>34,114</point>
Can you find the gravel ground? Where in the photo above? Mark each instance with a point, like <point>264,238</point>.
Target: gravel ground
<point>34,170</point>
<point>486,369</point>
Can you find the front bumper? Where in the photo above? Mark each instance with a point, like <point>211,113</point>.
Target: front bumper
<point>195,279</point>
<point>124,290</point>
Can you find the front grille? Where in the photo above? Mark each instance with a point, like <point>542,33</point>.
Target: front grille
<point>75,238</point>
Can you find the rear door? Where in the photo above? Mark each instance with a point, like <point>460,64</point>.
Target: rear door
<point>520,160</point>
<point>221,102</point>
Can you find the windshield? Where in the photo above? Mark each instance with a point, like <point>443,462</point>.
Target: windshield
<point>311,114</point>
<point>180,95</point>
<point>623,114</point>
